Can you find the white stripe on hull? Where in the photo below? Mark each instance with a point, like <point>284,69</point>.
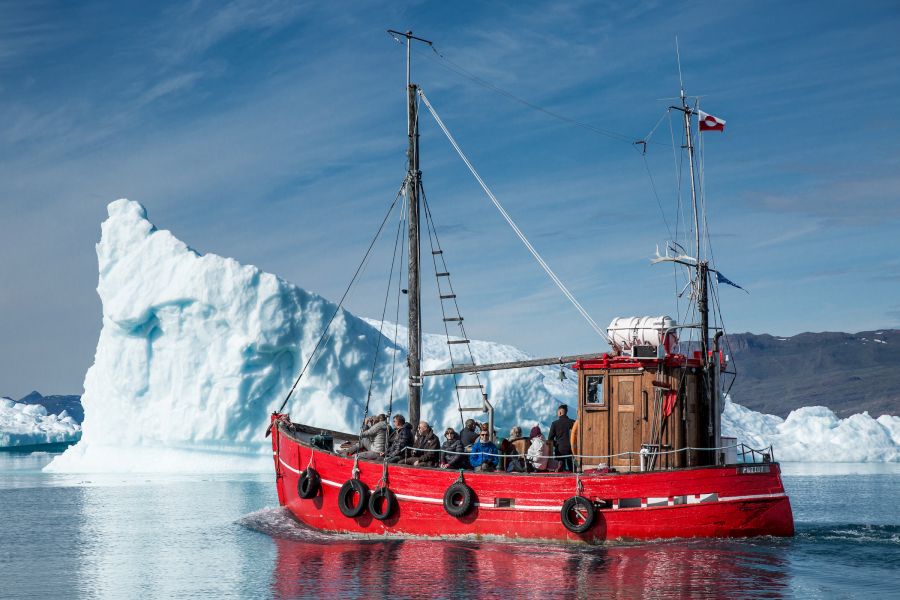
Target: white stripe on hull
<point>556,508</point>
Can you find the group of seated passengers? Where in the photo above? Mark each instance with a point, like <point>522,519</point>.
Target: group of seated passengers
<point>470,449</point>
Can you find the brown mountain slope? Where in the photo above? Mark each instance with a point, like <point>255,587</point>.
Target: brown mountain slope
<point>847,372</point>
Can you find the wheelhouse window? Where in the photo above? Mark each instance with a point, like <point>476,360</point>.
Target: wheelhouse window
<point>593,386</point>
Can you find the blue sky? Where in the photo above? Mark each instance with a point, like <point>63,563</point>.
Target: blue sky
<point>273,132</point>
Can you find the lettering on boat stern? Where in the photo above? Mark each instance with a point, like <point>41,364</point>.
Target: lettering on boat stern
<point>752,469</point>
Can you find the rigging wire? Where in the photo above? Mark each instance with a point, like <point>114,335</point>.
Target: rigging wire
<point>644,143</point>
<point>727,339</point>
<point>403,221</point>
<point>387,295</point>
<point>337,309</point>
<point>453,67</point>
<point>656,195</point>
<point>512,223</point>
<point>441,60</point>
<point>717,313</point>
<point>647,137</point>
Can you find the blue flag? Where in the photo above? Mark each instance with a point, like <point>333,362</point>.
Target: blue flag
<point>722,279</point>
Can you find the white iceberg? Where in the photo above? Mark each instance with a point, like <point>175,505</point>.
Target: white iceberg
<point>197,350</point>
<point>816,434</point>
<point>30,425</point>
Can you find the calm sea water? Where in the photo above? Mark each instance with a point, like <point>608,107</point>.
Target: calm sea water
<point>64,536</point>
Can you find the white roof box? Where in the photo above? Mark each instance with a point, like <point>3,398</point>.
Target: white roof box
<point>628,332</point>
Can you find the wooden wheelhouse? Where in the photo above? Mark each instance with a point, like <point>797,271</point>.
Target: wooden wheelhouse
<point>626,405</point>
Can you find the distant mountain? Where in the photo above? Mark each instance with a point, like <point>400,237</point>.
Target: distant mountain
<point>57,404</point>
<point>847,372</point>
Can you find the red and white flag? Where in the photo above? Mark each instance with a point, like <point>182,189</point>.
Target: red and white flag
<point>710,123</point>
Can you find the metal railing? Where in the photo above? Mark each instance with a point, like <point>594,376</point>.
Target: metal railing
<point>766,455</point>
<point>743,451</point>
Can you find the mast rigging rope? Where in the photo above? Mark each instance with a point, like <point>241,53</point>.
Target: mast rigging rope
<point>387,296</point>
<point>454,67</point>
<point>513,225</point>
<point>337,309</point>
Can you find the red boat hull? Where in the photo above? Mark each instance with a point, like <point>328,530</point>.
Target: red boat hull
<point>726,501</point>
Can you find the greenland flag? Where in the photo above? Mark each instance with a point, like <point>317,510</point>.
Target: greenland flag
<point>710,123</point>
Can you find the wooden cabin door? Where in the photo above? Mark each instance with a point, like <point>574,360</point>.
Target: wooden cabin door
<point>593,420</point>
<point>626,420</point>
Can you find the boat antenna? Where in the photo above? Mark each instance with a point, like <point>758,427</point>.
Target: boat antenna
<point>678,60</point>
<point>413,185</point>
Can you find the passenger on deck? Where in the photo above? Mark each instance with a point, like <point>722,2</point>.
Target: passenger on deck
<point>376,436</point>
<point>426,448</point>
<point>484,452</point>
<point>362,444</point>
<point>560,431</point>
<point>513,451</point>
<point>538,451</point>
<point>452,451</point>
<point>400,439</point>
<point>468,435</point>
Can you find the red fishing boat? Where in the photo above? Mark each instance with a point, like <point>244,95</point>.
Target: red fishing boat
<point>649,457</point>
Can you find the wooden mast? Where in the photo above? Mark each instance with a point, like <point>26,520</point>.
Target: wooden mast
<point>413,183</point>
<point>414,289</point>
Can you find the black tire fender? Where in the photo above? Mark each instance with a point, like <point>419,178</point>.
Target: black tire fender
<point>384,498</point>
<point>578,514</point>
<point>458,499</point>
<point>350,488</point>
<point>309,484</point>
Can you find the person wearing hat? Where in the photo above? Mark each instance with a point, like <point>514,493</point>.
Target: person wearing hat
<point>539,450</point>
<point>453,452</point>
<point>560,430</point>
<point>468,435</point>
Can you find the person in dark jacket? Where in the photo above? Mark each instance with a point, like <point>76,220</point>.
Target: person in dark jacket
<point>468,435</point>
<point>453,452</point>
<point>559,437</point>
<point>426,448</point>
<point>400,440</point>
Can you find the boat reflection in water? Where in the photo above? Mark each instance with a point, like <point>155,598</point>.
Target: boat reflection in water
<point>313,564</point>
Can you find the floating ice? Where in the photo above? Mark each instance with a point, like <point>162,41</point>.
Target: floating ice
<point>30,425</point>
<point>197,350</point>
<point>816,434</point>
